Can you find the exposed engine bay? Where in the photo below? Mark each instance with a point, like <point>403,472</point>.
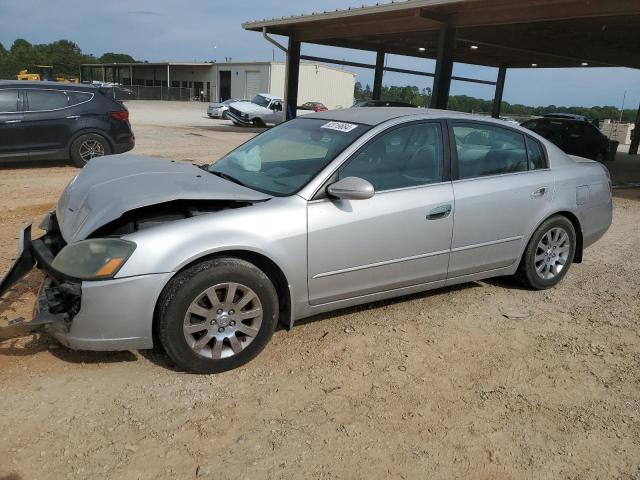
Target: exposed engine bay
<point>154,215</point>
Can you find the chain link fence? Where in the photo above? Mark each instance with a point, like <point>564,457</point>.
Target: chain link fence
<point>141,92</point>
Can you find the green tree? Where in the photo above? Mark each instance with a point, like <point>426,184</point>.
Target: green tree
<point>111,57</point>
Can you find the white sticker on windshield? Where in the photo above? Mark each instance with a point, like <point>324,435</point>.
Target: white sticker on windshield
<point>340,126</point>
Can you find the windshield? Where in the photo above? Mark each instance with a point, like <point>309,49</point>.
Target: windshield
<point>260,100</point>
<point>285,158</point>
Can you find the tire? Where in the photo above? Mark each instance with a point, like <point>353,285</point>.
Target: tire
<point>257,122</point>
<point>88,146</point>
<point>542,268</point>
<point>212,348</point>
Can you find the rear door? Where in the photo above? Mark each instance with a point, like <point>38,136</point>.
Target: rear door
<point>48,121</point>
<point>502,189</point>
<point>398,238</point>
<point>12,139</point>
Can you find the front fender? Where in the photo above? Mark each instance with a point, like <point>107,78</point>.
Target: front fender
<point>275,229</point>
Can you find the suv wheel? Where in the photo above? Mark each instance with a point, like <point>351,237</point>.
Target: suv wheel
<point>217,315</point>
<point>89,146</point>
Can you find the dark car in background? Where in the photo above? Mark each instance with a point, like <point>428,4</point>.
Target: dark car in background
<point>61,121</point>
<point>574,134</point>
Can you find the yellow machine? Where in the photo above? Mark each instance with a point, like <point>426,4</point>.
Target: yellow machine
<point>45,72</point>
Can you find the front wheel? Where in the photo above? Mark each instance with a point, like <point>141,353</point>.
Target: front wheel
<point>549,254</point>
<point>217,315</point>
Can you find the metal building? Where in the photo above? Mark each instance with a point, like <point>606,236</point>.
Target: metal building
<point>220,81</point>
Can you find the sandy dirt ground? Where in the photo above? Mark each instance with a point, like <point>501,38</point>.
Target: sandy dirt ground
<point>440,385</point>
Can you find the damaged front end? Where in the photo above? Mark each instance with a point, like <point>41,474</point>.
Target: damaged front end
<point>58,299</point>
<point>82,302</point>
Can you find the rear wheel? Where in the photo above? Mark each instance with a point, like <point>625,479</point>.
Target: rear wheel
<point>89,146</point>
<point>217,315</point>
<point>549,254</point>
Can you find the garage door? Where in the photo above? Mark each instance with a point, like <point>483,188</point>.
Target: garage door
<point>253,84</point>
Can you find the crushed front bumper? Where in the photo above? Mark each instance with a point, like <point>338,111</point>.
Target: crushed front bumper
<point>115,314</point>
<point>58,299</point>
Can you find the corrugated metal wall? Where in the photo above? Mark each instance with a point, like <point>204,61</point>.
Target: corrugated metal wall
<point>318,83</point>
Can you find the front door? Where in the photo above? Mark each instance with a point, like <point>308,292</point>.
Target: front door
<point>12,139</point>
<point>401,236</point>
<point>503,189</point>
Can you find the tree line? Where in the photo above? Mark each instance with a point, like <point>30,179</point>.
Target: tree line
<point>65,57</point>
<point>464,103</point>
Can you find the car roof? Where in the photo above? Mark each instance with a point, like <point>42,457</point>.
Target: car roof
<point>268,96</point>
<point>47,85</point>
<point>376,116</point>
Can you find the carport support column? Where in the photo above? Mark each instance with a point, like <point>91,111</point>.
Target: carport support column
<point>444,68</point>
<point>377,79</point>
<point>497,98</point>
<point>292,77</point>
<point>633,149</point>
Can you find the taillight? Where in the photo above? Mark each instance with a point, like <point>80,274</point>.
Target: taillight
<point>122,115</point>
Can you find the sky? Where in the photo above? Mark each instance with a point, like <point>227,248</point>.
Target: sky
<point>205,30</point>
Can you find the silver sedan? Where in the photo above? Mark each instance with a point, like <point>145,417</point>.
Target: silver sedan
<point>323,212</point>
<point>219,110</point>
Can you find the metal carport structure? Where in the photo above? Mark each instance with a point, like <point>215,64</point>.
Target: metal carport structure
<point>496,33</point>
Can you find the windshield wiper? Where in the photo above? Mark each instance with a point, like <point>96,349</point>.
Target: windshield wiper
<point>227,177</point>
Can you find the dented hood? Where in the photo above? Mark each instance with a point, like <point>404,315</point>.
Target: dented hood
<point>110,186</point>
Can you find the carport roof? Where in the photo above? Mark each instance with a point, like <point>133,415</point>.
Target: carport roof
<point>513,33</point>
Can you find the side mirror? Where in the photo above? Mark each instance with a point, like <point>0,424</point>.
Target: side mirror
<point>351,188</point>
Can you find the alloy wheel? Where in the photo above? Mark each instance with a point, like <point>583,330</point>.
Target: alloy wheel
<point>552,253</point>
<point>223,320</point>
<point>90,149</point>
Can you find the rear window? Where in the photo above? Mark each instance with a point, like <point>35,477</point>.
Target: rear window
<point>76,98</point>
<point>535,154</point>
<point>39,100</point>
<point>9,100</point>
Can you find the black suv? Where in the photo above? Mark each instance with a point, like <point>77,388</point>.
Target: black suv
<point>573,134</point>
<point>61,121</point>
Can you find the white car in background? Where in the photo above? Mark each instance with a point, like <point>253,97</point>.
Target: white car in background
<point>262,110</point>
<point>219,109</point>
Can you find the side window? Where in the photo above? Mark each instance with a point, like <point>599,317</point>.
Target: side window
<point>46,100</point>
<point>575,130</point>
<point>535,154</point>
<point>592,131</point>
<point>9,100</point>
<point>403,157</point>
<point>76,98</point>
<point>488,150</point>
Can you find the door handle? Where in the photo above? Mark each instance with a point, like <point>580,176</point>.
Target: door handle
<point>539,192</point>
<point>13,121</point>
<point>73,116</point>
<point>441,211</point>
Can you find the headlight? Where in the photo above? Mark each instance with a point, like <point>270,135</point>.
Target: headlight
<point>245,115</point>
<point>95,259</point>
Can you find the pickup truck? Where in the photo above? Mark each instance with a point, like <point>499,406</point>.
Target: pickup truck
<point>263,109</point>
